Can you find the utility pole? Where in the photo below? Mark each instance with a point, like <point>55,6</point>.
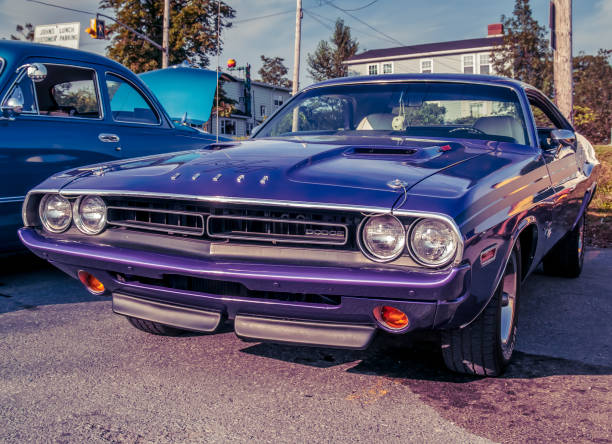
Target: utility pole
<point>296,58</point>
<point>562,12</point>
<point>165,37</point>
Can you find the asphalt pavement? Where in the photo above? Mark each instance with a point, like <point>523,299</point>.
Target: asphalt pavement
<point>72,371</point>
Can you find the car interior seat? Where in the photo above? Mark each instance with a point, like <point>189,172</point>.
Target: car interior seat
<point>377,121</point>
<point>505,126</point>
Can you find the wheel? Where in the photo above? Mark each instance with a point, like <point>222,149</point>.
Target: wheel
<point>567,256</point>
<point>485,346</point>
<point>154,327</point>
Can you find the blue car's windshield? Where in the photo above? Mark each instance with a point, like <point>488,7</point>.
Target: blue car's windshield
<point>427,109</point>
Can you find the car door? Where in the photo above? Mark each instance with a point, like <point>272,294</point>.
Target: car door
<point>58,128</point>
<point>562,164</point>
<point>141,126</point>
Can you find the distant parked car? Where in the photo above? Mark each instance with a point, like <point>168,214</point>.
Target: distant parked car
<point>62,108</point>
<point>396,203</point>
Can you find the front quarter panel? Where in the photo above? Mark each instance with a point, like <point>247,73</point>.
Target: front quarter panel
<point>492,198</point>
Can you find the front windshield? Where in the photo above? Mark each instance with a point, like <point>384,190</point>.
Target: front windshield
<point>420,109</point>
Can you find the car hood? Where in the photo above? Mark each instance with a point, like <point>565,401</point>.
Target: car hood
<point>185,93</point>
<point>372,174</point>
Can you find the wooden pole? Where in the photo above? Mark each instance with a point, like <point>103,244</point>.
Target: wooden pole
<point>165,36</point>
<point>563,58</point>
<point>296,59</point>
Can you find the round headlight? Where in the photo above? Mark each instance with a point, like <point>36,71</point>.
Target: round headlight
<point>433,242</point>
<point>383,237</point>
<point>90,214</point>
<point>55,213</point>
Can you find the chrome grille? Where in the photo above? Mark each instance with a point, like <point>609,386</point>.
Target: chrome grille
<point>168,221</point>
<point>271,225</point>
<point>276,230</point>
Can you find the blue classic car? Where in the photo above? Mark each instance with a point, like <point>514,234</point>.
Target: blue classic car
<point>396,203</point>
<point>63,108</point>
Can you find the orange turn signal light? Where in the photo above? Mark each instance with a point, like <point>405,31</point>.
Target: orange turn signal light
<point>93,285</point>
<point>391,317</point>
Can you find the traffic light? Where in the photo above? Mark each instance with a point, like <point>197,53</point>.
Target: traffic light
<point>92,30</point>
<point>100,29</point>
<point>97,29</point>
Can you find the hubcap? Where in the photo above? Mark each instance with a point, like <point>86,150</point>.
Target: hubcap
<point>508,302</point>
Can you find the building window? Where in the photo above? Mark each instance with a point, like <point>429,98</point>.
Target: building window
<point>427,66</point>
<point>467,62</point>
<point>228,127</point>
<point>373,69</point>
<point>262,110</point>
<point>485,63</point>
<point>387,68</point>
<point>278,101</point>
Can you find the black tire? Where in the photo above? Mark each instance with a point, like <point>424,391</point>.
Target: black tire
<point>485,346</point>
<point>154,327</point>
<point>567,256</point>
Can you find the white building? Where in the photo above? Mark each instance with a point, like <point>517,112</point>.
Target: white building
<point>472,56</point>
<point>264,100</point>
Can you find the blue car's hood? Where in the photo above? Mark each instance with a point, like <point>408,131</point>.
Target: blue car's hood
<point>338,173</point>
<point>184,92</point>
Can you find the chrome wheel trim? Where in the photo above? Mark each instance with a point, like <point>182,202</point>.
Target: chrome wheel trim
<point>508,308</point>
<point>581,241</point>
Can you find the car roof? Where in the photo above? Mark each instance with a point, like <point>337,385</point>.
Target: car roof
<point>16,50</point>
<point>467,78</point>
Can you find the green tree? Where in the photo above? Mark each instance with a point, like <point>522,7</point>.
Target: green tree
<point>326,62</point>
<point>273,71</point>
<point>192,35</point>
<point>524,53</point>
<point>25,32</point>
<point>593,95</point>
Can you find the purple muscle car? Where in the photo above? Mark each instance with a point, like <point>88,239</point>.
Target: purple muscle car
<point>399,203</point>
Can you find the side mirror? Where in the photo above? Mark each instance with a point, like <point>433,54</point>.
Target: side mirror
<point>14,104</point>
<point>563,137</point>
<point>35,71</point>
<point>11,108</point>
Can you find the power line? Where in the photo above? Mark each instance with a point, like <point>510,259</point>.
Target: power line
<point>62,7</point>
<point>361,7</point>
<point>388,37</point>
<point>263,16</point>
<point>315,18</point>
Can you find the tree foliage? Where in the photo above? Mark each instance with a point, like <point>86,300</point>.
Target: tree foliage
<point>524,53</point>
<point>273,71</point>
<point>326,62</point>
<point>593,95</point>
<point>192,34</point>
<point>24,32</point>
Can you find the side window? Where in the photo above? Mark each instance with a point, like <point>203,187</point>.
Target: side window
<point>544,123</point>
<point>127,103</point>
<point>68,91</point>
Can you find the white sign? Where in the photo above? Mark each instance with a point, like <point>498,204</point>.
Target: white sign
<point>61,34</point>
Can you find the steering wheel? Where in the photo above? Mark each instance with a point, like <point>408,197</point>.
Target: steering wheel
<point>467,129</point>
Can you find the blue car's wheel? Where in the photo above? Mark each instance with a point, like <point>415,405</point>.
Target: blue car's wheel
<point>485,346</point>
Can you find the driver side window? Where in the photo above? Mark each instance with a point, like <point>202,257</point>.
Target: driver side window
<point>544,123</point>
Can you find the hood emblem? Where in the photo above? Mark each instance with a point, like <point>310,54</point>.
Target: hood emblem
<point>397,184</point>
<point>217,177</point>
<point>263,180</point>
<point>240,178</point>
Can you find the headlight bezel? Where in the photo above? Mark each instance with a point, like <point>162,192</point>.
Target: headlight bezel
<point>43,216</point>
<point>363,245</point>
<point>450,259</point>
<point>78,220</point>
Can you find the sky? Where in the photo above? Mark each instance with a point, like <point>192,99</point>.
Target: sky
<point>409,22</point>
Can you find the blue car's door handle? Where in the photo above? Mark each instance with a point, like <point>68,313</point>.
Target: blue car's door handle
<point>105,137</point>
